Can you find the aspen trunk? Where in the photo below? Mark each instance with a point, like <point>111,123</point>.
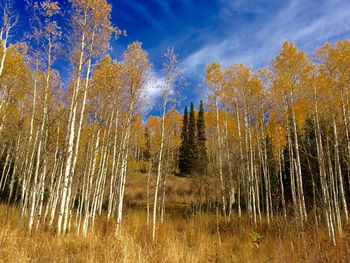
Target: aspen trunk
<point>340,176</point>
<point>114,168</point>
<point>223,199</point>
<point>322,171</point>
<point>299,177</point>
<point>71,134</point>
<point>148,191</point>
<point>159,169</point>
<point>241,160</point>
<point>231,180</point>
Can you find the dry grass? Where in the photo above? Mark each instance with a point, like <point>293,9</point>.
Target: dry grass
<point>182,238</point>
<point>179,239</point>
<point>179,190</point>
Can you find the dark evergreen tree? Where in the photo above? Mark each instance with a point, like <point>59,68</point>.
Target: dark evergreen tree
<point>184,165</point>
<point>192,140</point>
<point>202,158</point>
<point>147,151</point>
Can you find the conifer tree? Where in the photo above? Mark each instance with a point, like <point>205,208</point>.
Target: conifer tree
<point>184,165</point>
<point>202,158</point>
<point>147,151</point>
<point>192,141</point>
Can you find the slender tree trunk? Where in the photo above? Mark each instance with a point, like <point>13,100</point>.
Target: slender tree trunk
<point>322,172</point>
<point>340,176</point>
<point>231,179</point>
<point>241,160</point>
<point>71,134</point>
<point>148,191</point>
<point>159,169</point>
<point>220,157</point>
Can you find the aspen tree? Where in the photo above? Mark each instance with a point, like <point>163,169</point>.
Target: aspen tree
<point>244,91</point>
<point>322,172</point>
<point>334,75</point>
<point>105,94</point>
<point>50,34</point>
<point>291,68</point>
<point>92,28</point>
<point>171,71</point>
<point>8,22</point>
<point>68,151</point>
<point>136,67</point>
<point>276,132</point>
<point>214,78</point>
<point>153,129</point>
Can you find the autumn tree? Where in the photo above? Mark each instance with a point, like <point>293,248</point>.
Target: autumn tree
<point>171,71</point>
<point>215,80</point>
<point>92,31</point>
<point>8,21</point>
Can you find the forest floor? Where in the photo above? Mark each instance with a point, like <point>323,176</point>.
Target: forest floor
<point>183,237</point>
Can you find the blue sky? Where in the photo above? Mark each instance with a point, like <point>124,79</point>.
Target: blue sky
<point>225,31</point>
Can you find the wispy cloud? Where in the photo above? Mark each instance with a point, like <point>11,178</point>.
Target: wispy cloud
<point>243,6</point>
<point>165,7</point>
<point>226,31</point>
<point>308,23</point>
<point>145,13</point>
<point>152,90</point>
<point>211,52</point>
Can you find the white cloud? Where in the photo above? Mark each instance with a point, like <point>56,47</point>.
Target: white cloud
<point>152,90</point>
<point>243,6</point>
<point>209,53</point>
<point>153,85</point>
<point>308,23</point>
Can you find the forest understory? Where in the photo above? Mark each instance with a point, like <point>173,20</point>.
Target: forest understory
<point>186,235</point>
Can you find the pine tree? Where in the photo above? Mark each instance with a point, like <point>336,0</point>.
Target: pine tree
<point>202,158</point>
<point>147,151</point>
<point>192,141</point>
<point>183,155</point>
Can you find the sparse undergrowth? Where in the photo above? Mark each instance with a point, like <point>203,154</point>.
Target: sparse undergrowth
<point>201,238</point>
